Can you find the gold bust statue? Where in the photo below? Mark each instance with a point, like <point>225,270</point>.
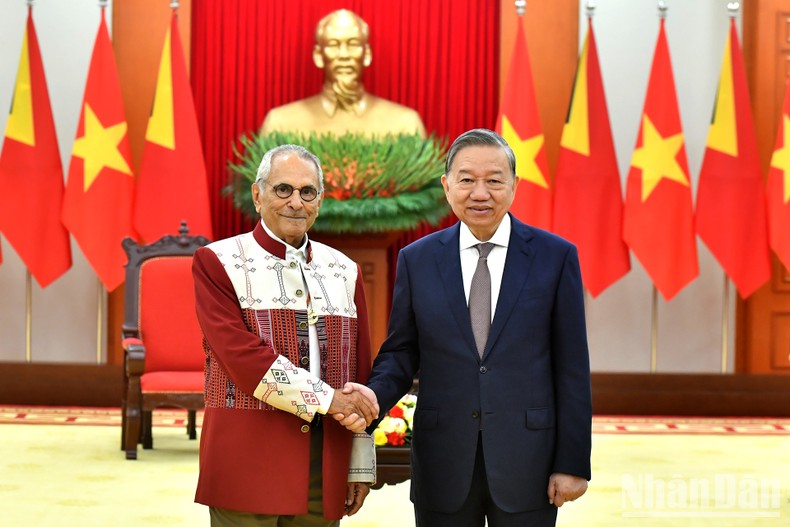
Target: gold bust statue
<point>342,51</point>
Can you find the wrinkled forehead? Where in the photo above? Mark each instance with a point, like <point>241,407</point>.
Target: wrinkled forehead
<point>480,158</point>
<point>291,168</point>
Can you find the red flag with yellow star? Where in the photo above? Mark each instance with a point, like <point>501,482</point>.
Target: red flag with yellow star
<point>778,188</point>
<point>588,203</point>
<point>97,207</point>
<point>519,123</point>
<point>731,217</point>
<point>172,150</point>
<point>31,175</point>
<point>658,222</point>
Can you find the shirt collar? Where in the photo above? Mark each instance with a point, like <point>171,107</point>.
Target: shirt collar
<point>274,245</point>
<point>500,237</point>
<point>330,103</point>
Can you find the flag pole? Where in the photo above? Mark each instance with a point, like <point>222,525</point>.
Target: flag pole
<point>732,8</point>
<point>662,13</point>
<point>29,284</point>
<point>654,332</point>
<point>99,319</point>
<point>28,316</point>
<point>589,11</point>
<point>725,323</point>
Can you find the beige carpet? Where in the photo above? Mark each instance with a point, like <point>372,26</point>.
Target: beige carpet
<point>646,472</point>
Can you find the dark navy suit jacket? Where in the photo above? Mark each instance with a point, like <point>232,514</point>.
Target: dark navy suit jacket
<point>530,393</point>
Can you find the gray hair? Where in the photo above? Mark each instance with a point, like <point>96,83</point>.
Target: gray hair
<point>265,168</point>
<point>479,137</point>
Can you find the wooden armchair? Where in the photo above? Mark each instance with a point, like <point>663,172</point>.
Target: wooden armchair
<point>162,342</point>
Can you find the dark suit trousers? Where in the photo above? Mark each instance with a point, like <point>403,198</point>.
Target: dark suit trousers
<point>479,506</point>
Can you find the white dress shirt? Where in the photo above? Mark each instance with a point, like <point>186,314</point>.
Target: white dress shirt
<point>299,256</point>
<point>496,258</point>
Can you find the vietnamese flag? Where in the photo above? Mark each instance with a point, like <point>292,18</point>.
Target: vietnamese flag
<point>519,124</point>
<point>778,189</point>
<point>658,222</point>
<point>731,216</point>
<point>588,202</point>
<point>172,184</point>
<point>31,175</point>
<point>97,208</point>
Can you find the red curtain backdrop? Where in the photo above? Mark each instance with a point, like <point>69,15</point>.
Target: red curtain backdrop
<point>439,57</point>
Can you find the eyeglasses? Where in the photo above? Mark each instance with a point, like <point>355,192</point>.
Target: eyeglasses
<point>284,190</point>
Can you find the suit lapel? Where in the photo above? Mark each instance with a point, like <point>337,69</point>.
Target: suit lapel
<point>517,267</point>
<point>449,262</point>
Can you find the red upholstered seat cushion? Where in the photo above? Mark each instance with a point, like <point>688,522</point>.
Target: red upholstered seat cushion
<point>168,324</point>
<point>172,381</point>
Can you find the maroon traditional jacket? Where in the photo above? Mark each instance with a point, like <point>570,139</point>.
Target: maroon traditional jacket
<point>260,395</point>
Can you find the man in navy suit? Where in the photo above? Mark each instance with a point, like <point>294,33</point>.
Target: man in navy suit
<point>502,428</point>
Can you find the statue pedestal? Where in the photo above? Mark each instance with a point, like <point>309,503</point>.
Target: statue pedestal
<point>370,252</point>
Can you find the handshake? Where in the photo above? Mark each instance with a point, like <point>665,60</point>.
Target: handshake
<point>355,406</point>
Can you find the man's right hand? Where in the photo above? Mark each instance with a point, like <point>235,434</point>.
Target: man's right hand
<point>354,407</point>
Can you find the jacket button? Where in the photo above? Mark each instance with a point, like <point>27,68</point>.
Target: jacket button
<point>305,428</point>
<point>305,361</point>
<point>292,265</point>
<point>475,414</point>
<point>299,292</point>
<point>483,369</point>
<point>302,325</point>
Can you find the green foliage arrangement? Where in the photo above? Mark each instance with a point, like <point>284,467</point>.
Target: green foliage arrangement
<point>370,184</point>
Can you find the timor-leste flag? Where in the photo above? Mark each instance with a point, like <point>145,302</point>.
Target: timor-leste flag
<point>31,175</point>
<point>519,123</point>
<point>588,201</point>
<point>778,188</point>
<point>97,207</point>
<point>658,222</point>
<point>731,216</point>
<point>171,184</point>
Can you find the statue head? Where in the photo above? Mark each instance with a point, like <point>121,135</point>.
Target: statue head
<point>342,50</point>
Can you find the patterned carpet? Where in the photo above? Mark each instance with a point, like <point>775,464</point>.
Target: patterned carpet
<point>63,467</point>
<point>601,424</point>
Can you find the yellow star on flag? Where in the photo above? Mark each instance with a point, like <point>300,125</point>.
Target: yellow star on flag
<point>20,126</point>
<point>526,153</point>
<point>99,147</point>
<point>656,158</point>
<point>781,158</point>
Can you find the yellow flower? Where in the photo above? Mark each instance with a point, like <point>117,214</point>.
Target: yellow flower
<point>396,427</point>
<point>379,437</point>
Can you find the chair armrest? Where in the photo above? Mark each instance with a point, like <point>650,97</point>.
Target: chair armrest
<point>134,352</point>
<point>130,331</point>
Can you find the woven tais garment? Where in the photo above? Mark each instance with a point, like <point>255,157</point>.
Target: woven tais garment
<point>252,304</point>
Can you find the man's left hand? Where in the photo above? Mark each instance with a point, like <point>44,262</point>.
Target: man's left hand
<point>355,497</point>
<point>564,487</point>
